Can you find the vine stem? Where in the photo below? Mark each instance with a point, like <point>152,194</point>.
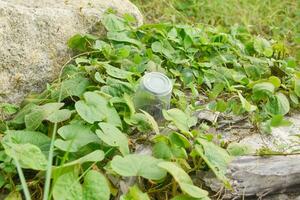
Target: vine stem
<point>174,188</point>
<point>51,150</point>
<point>23,180</point>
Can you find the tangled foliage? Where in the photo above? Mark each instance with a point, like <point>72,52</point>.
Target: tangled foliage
<point>85,132</point>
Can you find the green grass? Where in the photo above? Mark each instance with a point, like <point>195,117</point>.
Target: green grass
<point>277,19</point>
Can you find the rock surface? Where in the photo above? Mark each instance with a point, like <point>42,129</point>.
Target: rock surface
<point>33,36</point>
<point>284,139</point>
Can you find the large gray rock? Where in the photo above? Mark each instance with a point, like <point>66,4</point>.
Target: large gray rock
<point>33,35</point>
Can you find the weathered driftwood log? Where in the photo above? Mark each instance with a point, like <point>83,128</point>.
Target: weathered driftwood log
<point>259,176</point>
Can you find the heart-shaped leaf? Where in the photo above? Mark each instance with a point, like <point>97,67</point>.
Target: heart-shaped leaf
<point>28,155</point>
<point>74,137</point>
<point>138,165</point>
<point>113,137</point>
<point>181,120</point>
<point>95,108</point>
<point>95,186</point>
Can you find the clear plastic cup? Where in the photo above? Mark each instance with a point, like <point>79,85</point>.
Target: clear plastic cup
<point>153,94</point>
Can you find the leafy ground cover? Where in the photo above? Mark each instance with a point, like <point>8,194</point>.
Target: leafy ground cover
<point>273,19</point>
<point>84,132</point>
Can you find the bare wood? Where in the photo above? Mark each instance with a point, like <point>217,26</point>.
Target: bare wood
<point>255,175</point>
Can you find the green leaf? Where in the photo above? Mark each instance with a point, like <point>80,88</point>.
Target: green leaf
<point>138,165</point>
<point>117,88</point>
<point>80,42</point>
<point>217,89</point>
<point>75,86</point>
<point>116,72</point>
<point>186,197</point>
<point>20,116</point>
<point>2,181</point>
<point>297,86</point>
<point>113,137</point>
<point>163,47</point>
<point>8,108</point>
<point>67,186</point>
<point>34,119</point>
<point>246,105</point>
<point>123,37</point>
<point>95,108</point>
<point>129,102</point>
<point>135,193</point>
<point>275,81</point>
<point>179,140</point>
<point>14,195</point>
<point>181,120</point>
<point>101,46</point>
<point>82,60</point>
<point>77,42</point>
<point>278,120</point>
<point>264,87</point>
<point>236,149</point>
<point>263,46</point>
<point>187,76</point>
<point>162,150</point>
<point>221,106</point>
<point>95,156</point>
<point>95,186</point>
<point>90,108</point>
<point>59,116</point>
<point>215,157</point>
<point>193,190</point>
<point>278,104</point>
<point>294,98</point>
<point>32,137</point>
<point>140,121</point>
<point>156,47</point>
<point>291,62</point>
<point>263,90</point>
<point>99,77</point>
<point>28,155</point>
<point>112,22</point>
<point>152,121</point>
<point>75,136</point>
<point>183,179</point>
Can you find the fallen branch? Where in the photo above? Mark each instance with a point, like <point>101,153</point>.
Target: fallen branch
<point>259,176</point>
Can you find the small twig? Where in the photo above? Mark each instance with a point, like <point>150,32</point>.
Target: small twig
<point>174,188</point>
